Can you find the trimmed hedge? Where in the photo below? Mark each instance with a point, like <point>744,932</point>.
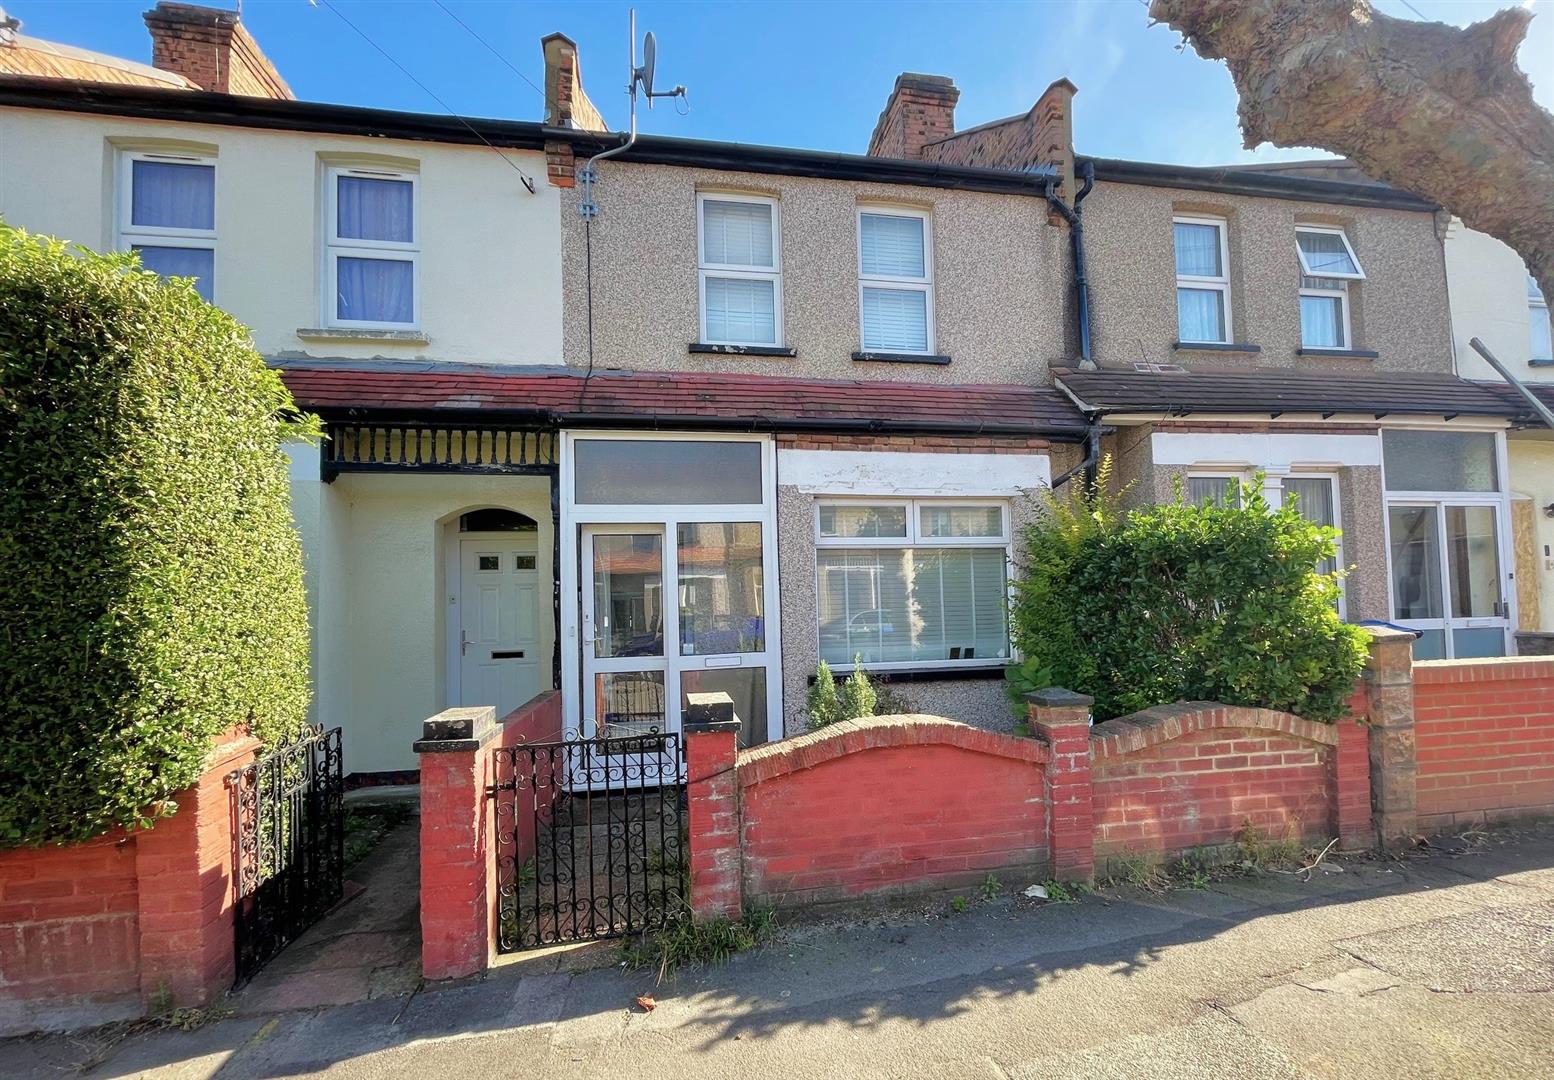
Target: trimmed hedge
<point>1182,602</point>
<point>151,589</point>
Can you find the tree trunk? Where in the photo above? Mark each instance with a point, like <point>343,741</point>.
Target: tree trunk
<point>1441,112</point>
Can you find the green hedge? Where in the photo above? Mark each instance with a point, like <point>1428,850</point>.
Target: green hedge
<point>150,575</point>
<point>1181,602</point>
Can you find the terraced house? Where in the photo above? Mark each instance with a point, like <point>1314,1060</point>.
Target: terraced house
<point>695,416</point>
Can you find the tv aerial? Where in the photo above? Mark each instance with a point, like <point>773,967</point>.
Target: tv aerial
<point>641,78</point>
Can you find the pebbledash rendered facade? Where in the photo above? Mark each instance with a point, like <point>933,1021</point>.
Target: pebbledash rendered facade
<point>766,406</point>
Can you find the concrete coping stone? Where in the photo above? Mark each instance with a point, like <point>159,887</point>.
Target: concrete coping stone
<point>1055,697</point>
<point>457,730</point>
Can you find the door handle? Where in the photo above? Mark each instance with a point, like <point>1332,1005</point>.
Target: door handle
<point>463,643</point>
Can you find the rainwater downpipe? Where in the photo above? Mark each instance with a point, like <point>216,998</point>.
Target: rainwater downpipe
<point>1074,215</point>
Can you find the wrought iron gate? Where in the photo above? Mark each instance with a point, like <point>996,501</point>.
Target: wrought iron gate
<point>289,813</point>
<point>589,839</point>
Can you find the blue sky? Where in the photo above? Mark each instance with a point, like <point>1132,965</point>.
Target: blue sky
<point>812,74</point>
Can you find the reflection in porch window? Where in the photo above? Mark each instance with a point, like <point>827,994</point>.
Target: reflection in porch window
<point>628,703</point>
<point>747,686</point>
<point>721,588</point>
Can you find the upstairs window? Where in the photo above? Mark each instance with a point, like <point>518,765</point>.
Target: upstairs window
<point>1538,317</point>
<point>740,271</point>
<point>1202,281</point>
<point>895,281</point>
<point>168,214</point>
<point>373,245</point>
<point>1327,266</point>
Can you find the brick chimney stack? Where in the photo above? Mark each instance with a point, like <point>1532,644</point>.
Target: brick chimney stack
<point>921,109</point>
<point>210,48</point>
<point>566,106</point>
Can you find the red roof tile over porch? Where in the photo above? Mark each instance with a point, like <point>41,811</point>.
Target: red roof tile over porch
<point>667,399</point>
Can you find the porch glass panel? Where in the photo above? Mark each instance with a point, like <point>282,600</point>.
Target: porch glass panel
<point>628,703</point>
<point>638,472</point>
<point>1439,460</point>
<point>721,585</point>
<point>1472,552</point>
<point>628,595</point>
<point>1416,562</point>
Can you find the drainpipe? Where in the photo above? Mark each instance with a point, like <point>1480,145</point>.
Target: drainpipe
<point>1075,217</point>
<point>1091,465</point>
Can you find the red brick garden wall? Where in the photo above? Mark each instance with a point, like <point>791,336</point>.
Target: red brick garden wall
<point>889,806</point>
<point>1174,778</point>
<point>95,931</point>
<point>1484,732</point>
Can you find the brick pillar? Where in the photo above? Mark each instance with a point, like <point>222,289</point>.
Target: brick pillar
<point>458,860</point>
<point>1352,786</point>
<point>1389,704</point>
<point>712,789</point>
<point>1061,719</point>
<point>184,865</point>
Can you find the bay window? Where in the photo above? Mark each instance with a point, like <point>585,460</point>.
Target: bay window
<point>1202,280</point>
<point>740,270</point>
<point>895,280</point>
<point>912,583</point>
<point>1327,264</point>
<point>167,213</point>
<point>372,249</point>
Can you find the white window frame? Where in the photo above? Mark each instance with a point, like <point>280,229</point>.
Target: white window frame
<point>1223,475</point>
<point>129,234</point>
<point>1341,293</point>
<point>337,247</point>
<point>1338,523</point>
<point>1537,308</point>
<point>1329,230</point>
<point>922,284</point>
<point>706,269</point>
<point>1220,284</point>
<point>915,538</point>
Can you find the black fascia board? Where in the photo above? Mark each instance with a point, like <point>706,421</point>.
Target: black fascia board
<point>1231,181</point>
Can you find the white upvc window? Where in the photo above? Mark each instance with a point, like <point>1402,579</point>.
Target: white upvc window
<point>1202,280</point>
<point>895,280</point>
<point>1538,320</point>
<point>1327,266</point>
<point>912,583</point>
<point>739,241</point>
<point>167,213</point>
<point>1216,488</point>
<point>372,232</point>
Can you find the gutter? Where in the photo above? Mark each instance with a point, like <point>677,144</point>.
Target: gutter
<point>556,418</point>
<point>1233,181</point>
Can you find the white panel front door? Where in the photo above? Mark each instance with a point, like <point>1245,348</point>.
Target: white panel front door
<point>499,607</point>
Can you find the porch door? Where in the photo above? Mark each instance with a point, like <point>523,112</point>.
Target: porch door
<point>625,689</point>
<point>1447,579</point>
<point>499,661</point>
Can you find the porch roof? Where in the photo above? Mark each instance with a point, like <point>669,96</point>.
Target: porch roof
<point>1271,392</point>
<point>613,398</point>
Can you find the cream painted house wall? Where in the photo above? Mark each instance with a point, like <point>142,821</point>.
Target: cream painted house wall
<point>375,548</point>
<point>490,252</point>
<point>1532,475</point>
<point>1399,311</point>
<point>1488,284</point>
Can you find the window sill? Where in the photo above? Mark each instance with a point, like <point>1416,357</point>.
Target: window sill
<point>900,358</point>
<point>344,333</point>
<point>1353,354</point>
<point>983,672</point>
<point>1215,346</point>
<point>741,350</point>
<point>1540,363</point>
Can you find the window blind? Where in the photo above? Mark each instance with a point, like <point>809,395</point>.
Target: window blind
<point>892,246</point>
<point>737,234</point>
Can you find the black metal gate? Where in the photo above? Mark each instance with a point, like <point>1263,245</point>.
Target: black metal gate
<point>589,838</point>
<point>289,811</point>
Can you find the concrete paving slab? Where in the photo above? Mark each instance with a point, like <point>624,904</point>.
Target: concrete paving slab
<point>1500,949</point>
<point>1211,1048</point>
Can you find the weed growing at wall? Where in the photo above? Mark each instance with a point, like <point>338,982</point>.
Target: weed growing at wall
<point>150,576</point>
<point>857,697</point>
<point>1183,602</point>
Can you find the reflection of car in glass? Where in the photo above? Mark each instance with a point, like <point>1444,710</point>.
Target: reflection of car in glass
<point>865,624</point>
<point>648,644</point>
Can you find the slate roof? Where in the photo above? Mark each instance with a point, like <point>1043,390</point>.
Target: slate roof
<point>1273,391</point>
<point>679,398</point>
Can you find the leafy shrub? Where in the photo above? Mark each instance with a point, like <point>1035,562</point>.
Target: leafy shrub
<point>1182,602</point>
<point>150,576</point>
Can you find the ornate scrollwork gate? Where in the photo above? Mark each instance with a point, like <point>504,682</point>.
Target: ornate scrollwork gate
<point>289,816</point>
<point>589,838</point>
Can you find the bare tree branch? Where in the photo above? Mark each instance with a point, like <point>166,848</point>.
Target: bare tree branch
<point>1439,111</point>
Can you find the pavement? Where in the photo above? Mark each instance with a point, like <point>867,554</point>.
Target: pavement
<point>1440,964</point>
